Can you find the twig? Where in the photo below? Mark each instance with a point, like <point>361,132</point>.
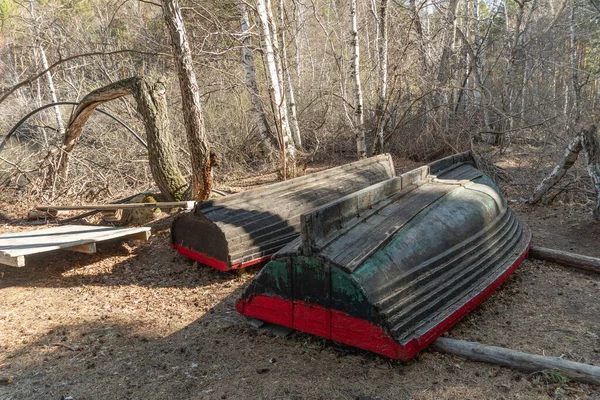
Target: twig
<point>65,346</point>
<point>64,60</point>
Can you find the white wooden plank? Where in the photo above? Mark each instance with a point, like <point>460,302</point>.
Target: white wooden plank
<point>39,241</point>
<point>186,205</point>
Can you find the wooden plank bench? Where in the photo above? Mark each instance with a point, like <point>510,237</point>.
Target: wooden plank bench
<point>15,246</point>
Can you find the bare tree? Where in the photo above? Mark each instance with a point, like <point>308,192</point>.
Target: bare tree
<point>250,72</point>
<point>382,39</point>
<point>48,74</point>
<point>276,89</point>
<point>152,106</point>
<point>202,159</point>
<point>359,124</point>
<point>287,80</point>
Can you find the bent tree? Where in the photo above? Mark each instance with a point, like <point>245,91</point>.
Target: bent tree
<point>150,96</point>
<point>167,173</point>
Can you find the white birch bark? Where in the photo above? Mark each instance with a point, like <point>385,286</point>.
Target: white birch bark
<point>359,126</point>
<point>574,69</point>
<point>42,53</point>
<point>287,82</point>
<point>258,112</point>
<point>276,90</point>
<point>382,72</point>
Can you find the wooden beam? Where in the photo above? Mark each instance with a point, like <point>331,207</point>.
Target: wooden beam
<point>143,236</point>
<point>18,261</point>
<point>565,258</point>
<point>517,359</point>
<point>187,205</point>
<point>88,248</point>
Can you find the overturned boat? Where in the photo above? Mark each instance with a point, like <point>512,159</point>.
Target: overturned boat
<point>391,267</point>
<point>248,228</point>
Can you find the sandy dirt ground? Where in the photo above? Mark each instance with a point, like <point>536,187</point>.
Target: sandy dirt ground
<point>138,321</point>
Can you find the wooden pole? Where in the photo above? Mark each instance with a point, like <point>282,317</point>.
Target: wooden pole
<point>565,258</point>
<point>187,205</point>
<point>518,360</point>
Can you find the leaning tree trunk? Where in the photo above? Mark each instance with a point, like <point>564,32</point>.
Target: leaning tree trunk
<point>152,106</point>
<point>588,141</point>
<point>80,116</point>
<point>201,158</point>
<point>591,148</point>
<point>559,171</point>
<point>359,125</point>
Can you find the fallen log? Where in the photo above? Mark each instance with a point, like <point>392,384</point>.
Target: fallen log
<point>518,360</point>
<point>565,258</point>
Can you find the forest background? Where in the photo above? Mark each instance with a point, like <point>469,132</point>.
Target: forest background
<point>419,79</point>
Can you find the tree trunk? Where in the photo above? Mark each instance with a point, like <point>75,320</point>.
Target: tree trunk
<point>287,81</point>
<point>565,258</point>
<point>574,71</point>
<point>359,126</point>
<point>82,113</point>
<point>276,89</point>
<point>559,171</point>
<point>258,112</point>
<point>444,64</point>
<point>202,159</point>
<point>518,360</point>
<point>152,106</point>
<point>51,88</point>
<point>382,73</point>
<point>151,102</point>
<point>591,148</point>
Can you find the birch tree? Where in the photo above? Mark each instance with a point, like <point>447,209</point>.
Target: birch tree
<point>287,80</point>
<point>276,89</point>
<point>258,112</point>
<point>359,125</point>
<point>382,52</point>
<point>44,60</point>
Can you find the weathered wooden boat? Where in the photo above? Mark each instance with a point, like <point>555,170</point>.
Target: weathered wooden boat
<point>391,267</point>
<point>248,228</point>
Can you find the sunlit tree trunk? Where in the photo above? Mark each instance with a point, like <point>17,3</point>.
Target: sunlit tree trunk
<point>150,97</point>
<point>42,53</point>
<point>276,89</point>
<point>258,112</point>
<point>287,80</point>
<point>359,126</point>
<point>382,72</point>
<point>202,159</point>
